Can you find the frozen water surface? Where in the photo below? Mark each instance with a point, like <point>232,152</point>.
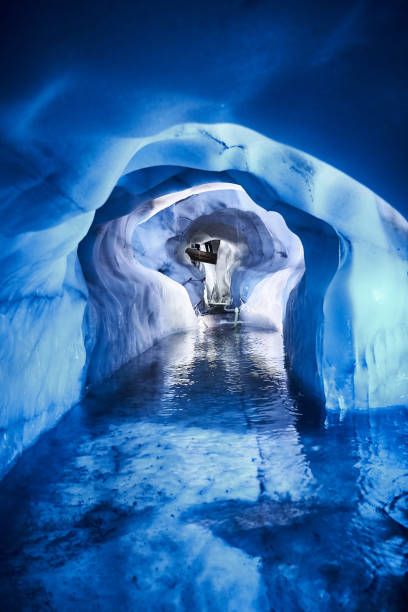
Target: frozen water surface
<point>197,478</point>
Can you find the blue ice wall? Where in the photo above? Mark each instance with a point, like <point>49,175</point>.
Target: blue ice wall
<point>42,353</point>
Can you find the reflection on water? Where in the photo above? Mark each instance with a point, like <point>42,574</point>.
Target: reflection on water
<point>194,480</point>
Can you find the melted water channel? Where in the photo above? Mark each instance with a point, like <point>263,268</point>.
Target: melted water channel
<point>195,480</point>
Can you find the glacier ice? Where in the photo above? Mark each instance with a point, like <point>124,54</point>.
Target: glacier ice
<point>345,323</point>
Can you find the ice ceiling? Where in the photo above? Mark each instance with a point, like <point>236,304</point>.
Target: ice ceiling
<point>103,137</point>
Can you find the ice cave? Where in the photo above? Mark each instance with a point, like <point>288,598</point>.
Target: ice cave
<point>204,332</point>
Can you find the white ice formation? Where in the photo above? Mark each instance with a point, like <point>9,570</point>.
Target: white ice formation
<point>259,259</point>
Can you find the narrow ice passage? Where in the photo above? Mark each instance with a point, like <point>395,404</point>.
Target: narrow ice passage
<point>196,478</point>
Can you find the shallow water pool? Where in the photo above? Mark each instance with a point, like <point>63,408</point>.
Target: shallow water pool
<point>195,479</point>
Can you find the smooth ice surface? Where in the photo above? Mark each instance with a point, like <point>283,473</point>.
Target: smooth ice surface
<point>195,479</point>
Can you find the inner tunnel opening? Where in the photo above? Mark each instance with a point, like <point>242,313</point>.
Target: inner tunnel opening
<point>220,246</point>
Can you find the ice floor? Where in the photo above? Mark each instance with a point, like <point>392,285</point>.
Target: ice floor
<point>196,480</point>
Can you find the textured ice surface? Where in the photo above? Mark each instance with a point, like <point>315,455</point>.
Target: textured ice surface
<point>194,480</point>
<point>130,306</point>
<point>345,326</point>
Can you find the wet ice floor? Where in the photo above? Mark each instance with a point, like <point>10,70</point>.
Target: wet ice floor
<point>194,480</point>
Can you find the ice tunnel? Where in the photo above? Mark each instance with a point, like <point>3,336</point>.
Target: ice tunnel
<point>94,268</point>
<point>250,243</point>
<point>259,263</point>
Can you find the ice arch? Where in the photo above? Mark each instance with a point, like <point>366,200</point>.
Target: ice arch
<point>131,304</point>
<point>363,332</point>
<point>354,304</point>
<point>256,246</point>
